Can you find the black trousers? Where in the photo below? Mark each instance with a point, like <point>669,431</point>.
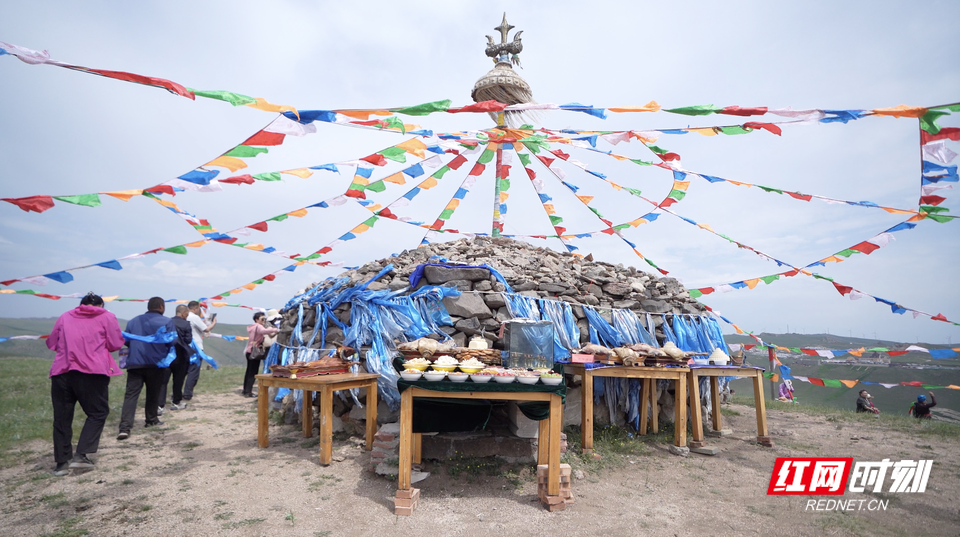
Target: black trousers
<point>193,376</point>
<point>253,367</point>
<point>178,371</point>
<point>152,378</point>
<point>66,390</point>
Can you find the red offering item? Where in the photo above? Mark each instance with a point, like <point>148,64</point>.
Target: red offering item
<point>583,358</point>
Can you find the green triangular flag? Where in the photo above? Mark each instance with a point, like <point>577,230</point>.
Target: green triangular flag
<point>425,108</point>
<point>269,176</point>
<point>87,200</point>
<point>245,151</point>
<point>182,250</point>
<point>235,99</point>
<point>698,110</point>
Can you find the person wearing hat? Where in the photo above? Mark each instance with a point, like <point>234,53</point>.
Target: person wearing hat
<point>786,391</point>
<point>865,403</point>
<point>257,332</point>
<point>921,409</point>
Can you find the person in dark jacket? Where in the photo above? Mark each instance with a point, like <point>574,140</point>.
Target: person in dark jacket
<point>921,409</point>
<point>83,339</point>
<point>142,369</point>
<point>178,369</point>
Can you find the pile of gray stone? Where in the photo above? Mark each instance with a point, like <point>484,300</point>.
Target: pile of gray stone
<point>529,270</point>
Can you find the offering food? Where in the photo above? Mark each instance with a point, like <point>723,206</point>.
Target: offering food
<point>457,377</point>
<point>420,364</point>
<point>528,379</point>
<point>481,377</point>
<point>434,376</point>
<point>425,347</point>
<point>445,363</point>
<point>491,370</point>
<point>411,375</point>
<point>505,376</point>
<point>551,378</point>
<point>471,365</point>
<point>595,349</point>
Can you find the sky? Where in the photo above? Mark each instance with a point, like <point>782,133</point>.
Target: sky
<point>64,132</point>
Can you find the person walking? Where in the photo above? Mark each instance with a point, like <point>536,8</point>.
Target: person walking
<point>921,409</point>
<point>256,332</point>
<point>142,368</point>
<point>178,369</point>
<point>83,339</point>
<point>200,330</point>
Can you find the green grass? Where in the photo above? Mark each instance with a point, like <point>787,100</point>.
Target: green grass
<point>68,528</point>
<point>26,413</point>
<point>901,422</point>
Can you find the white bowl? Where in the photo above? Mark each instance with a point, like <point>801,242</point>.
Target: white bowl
<point>504,380</point>
<point>411,377</point>
<point>528,380</point>
<point>480,379</point>
<point>457,377</point>
<point>551,381</point>
<point>434,376</point>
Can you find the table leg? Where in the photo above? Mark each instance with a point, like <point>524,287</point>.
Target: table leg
<point>680,413</point>
<point>406,440</point>
<point>371,413</point>
<point>761,405</point>
<point>263,410</point>
<point>308,414</point>
<point>417,447</point>
<point>326,425</point>
<point>696,419</point>
<point>654,411</point>
<point>586,407</point>
<point>586,413</point>
<point>644,404</point>
<point>543,436</point>
<point>553,464</point>
<point>715,401</point>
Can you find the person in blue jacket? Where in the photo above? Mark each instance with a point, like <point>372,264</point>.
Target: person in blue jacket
<point>142,369</point>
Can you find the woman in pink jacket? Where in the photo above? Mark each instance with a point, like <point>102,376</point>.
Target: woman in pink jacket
<point>256,332</point>
<point>83,339</point>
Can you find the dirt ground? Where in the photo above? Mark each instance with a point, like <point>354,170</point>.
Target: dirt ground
<point>203,474</point>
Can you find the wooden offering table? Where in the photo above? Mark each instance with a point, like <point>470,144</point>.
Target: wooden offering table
<point>648,394</point>
<point>326,385</point>
<point>714,372</point>
<point>549,435</point>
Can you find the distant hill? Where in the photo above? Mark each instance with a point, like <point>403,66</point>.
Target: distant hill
<point>827,341</point>
<point>224,352</point>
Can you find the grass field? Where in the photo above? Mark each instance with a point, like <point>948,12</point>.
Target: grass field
<point>894,400</point>
<point>224,352</point>
<point>26,413</point>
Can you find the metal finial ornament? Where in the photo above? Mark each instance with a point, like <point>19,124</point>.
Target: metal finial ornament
<point>502,83</point>
<point>499,52</point>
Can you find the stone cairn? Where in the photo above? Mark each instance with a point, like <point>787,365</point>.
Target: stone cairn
<point>530,271</point>
<point>479,310</point>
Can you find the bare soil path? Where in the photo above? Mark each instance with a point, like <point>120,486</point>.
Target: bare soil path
<point>203,474</point>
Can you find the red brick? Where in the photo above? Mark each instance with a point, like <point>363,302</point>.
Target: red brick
<point>403,511</point>
<point>408,493</point>
<point>385,437</point>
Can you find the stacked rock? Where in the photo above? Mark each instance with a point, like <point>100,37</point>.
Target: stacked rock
<point>529,270</point>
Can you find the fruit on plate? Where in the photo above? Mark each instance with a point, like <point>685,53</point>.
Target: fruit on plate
<point>550,375</point>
